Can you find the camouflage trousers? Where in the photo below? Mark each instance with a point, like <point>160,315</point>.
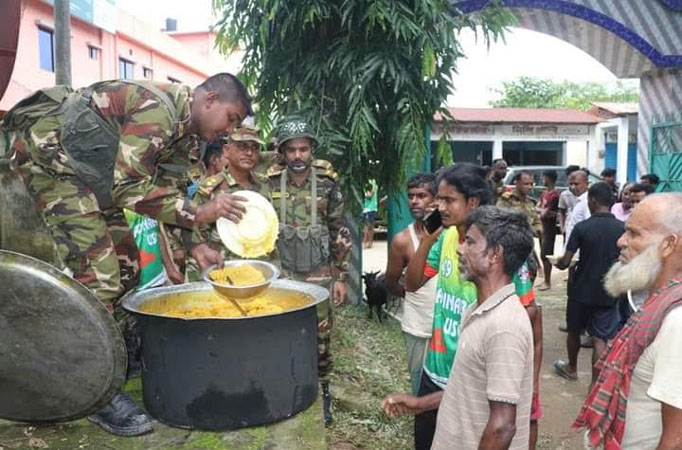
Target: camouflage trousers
<point>325,321</point>
<point>96,246</point>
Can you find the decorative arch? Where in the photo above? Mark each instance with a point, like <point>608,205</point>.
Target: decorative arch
<point>630,37</point>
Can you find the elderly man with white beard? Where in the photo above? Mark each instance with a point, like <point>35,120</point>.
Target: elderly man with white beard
<point>636,403</point>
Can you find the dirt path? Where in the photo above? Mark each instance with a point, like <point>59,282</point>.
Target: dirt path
<point>561,399</point>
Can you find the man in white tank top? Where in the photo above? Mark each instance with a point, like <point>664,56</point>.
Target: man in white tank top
<point>418,306</point>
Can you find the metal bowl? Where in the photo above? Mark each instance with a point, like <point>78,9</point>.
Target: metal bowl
<point>269,271</point>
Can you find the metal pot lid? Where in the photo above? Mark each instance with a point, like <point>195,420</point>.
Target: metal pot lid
<point>62,356</point>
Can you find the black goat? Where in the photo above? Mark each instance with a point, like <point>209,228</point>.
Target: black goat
<point>375,290</point>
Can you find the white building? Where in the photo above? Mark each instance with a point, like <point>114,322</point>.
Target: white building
<point>522,136</point>
<point>616,138</point>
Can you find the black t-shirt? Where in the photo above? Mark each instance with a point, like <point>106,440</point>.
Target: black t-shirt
<point>596,239</point>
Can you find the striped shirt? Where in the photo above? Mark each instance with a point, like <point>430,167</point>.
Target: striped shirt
<point>494,362</point>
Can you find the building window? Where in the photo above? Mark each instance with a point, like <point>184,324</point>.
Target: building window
<point>148,73</point>
<point>46,49</point>
<point>93,52</point>
<point>174,80</point>
<point>126,69</point>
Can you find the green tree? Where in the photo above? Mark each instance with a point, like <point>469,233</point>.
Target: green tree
<point>529,92</point>
<point>368,74</point>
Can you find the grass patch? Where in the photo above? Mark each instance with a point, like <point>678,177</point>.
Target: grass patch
<point>369,363</point>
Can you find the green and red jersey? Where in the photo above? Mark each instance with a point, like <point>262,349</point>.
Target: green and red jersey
<point>453,296</point>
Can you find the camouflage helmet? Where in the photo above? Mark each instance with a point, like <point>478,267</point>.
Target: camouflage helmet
<point>295,129</point>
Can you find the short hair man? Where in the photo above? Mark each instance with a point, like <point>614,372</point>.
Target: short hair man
<point>498,174</point>
<point>589,305</point>
<point>488,398</point>
<point>650,178</point>
<point>578,184</point>
<point>215,159</point>
<point>369,212</point>
<point>638,191</point>
<point>608,176</point>
<point>462,188</point>
<point>643,410</point>
<point>520,200</point>
<point>567,201</point>
<point>129,134</point>
<point>418,305</point>
<point>548,208</point>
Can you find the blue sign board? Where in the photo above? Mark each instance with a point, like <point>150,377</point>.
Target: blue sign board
<point>100,13</point>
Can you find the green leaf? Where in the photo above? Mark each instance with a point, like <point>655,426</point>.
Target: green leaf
<point>368,74</point>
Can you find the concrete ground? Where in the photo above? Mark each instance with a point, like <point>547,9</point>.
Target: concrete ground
<point>561,399</point>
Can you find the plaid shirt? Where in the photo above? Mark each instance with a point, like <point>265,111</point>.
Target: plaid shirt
<point>603,413</point>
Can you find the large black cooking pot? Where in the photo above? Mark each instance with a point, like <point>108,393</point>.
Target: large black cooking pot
<point>227,373</point>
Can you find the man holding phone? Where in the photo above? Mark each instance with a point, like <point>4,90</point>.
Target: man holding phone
<point>418,305</point>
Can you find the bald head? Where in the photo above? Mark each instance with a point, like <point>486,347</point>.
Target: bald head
<point>650,248</point>
<point>577,182</point>
<point>662,212</point>
<point>580,175</point>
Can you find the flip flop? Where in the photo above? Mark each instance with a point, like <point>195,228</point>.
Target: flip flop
<point>560,369</point>
<point>544,287</point>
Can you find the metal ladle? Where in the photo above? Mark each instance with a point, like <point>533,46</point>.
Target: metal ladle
<point>234,302</point>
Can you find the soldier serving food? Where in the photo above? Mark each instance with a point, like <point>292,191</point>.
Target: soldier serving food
<point>314,239</point>
<point>86,155</point>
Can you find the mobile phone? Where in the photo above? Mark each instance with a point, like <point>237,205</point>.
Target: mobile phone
<point>433,221</point>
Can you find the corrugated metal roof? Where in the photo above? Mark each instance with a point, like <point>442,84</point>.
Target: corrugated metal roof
<point>521,115</point>
<point>618,108</point>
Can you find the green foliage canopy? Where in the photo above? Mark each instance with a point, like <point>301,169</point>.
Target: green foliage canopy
<point>529,92</point>
<point>367,74</point>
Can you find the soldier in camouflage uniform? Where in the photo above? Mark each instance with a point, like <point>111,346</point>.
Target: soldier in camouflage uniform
<point>314,240</point>
<point>520,200</point>
<point>86,155</point>
<point>241,153</point>
<point>496,180</point>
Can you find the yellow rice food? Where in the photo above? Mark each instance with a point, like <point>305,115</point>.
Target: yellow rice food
<point>224,308</point>
<point>241,275</point>
<point>210,304</point>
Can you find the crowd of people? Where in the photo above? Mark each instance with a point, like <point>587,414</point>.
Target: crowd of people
<point>116,194</point>
<point>473,326</point>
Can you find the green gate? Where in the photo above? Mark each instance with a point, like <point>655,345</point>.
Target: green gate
<point>666,153</point>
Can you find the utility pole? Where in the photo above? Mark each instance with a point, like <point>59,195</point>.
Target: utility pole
<point>62,37</point>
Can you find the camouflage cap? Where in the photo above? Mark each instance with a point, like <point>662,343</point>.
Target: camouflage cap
<point>246,133</point>
<point>295,129</point>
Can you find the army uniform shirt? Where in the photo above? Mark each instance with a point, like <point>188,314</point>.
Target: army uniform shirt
<point>224,182</point>
<point>512,200</point>
<point>149,135</point>
<point>330,213</point>
<point>497,188</point>
<point>149,126</point>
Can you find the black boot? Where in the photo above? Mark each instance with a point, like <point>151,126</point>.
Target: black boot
<point>123,417</point>
<point>131,337</point>
<point>326,404</point>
